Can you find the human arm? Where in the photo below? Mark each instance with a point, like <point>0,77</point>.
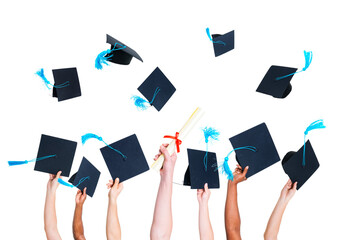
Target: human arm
<point>274,222</point>
<point>162,219</point>
<point>113,231</point>
<point>78,228</point>
<point>205,228</point>
<point>50,215</point>
<point>232,215</point>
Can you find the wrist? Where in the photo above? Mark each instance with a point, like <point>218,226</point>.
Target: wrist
<point>112,200</point>
<point>167,178</point>
<point>79,205</point>
<point>232,183</point>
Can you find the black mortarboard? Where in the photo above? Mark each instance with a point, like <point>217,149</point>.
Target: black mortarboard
<point>87,176</point>
<point>63,150</point>
<point>125,168</point>
<point>196,175</point>
<point>265,155</point>
<point>278,88</point>
<point>158,85</point>
<point>122,56</point>
<point>68,79</point>
<point>292,165</point>
<point>227,39</point>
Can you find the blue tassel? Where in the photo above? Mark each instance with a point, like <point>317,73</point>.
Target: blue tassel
<point>308,61</point>
<point>318,124</point>
<point>61,181</point>
<point>209,133</point>
<point>103,57</point>
<point>209,35</point>
<point>225,169</point>
<point>47,83</point>
<point>88,136</point>
<point>140,103</point>
<point>15,163</point>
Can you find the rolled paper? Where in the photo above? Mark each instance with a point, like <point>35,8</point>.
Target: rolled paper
<point>194,118</point>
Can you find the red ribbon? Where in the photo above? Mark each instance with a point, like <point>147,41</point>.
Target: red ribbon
<point>178,142</point>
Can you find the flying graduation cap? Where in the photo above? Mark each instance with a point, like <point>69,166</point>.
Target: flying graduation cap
<point>134,163</point>
<point>276,82</point>
<point>301,165</point>
<point>86,177</point>
<point>54,154</point>
<point>157,89</point>
<point>265,154</point>
<point>118,53</point>
<point>66,83</point>
<point>197,174</point>
<point>222,43</point>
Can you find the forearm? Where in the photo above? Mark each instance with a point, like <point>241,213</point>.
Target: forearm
<point>50,217</point>
<point>274,222</point>
<point>205,228</point>
<point>78,228</point>
<point>162,219</point>
<point>113,231</point>
<point>232,215</point>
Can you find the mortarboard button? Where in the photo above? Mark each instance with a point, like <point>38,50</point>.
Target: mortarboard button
<point>157,89</point>
<point>196,175</point>
<point>265,155</point>
<point>125,168</point>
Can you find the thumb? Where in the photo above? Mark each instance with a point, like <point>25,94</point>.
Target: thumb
<point>84,193</point>
<point>245,171</point>
<point>165,152</point>
<point>206,189</point>
<point>58,174</point>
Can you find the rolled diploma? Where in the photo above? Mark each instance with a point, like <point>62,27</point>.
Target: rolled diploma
<point>194,118</point>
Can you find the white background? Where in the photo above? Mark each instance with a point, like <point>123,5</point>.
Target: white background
<point>170,35</point>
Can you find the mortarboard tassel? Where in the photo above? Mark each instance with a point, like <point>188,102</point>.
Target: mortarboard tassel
<point>61,181</point>
<point>209,133</point>
<point>308,61</point>
<point>225,169</point>
<point>318,124</point>
<point>103,57</point>
<point>14,163</point>
<point>209,35</point>
<point>140,102</point>
<point>48,84</point>
<point>88,136</point>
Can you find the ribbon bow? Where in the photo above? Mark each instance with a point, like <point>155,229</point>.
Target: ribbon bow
<point>178,142</point>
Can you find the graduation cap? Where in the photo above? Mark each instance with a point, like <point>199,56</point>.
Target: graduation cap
<point>54,154</point>
<point>276,82</point>
<point>157,89</point>
<point>125,168</point>
<point>86,177</point>
<point>197,175</point>
<point>265,155</point>
<point>66,83</point>
<point>118,53</point>
<point>292,166</point>
<point>222,43</point>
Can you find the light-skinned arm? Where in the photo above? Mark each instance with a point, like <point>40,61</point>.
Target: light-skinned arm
<point>206,232</point>
<point>232,215</point>
<point>113,231</point>
<point>50,215</point>
<point>274,222</point>
<point>162,218</point>
<point>78,229</point>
